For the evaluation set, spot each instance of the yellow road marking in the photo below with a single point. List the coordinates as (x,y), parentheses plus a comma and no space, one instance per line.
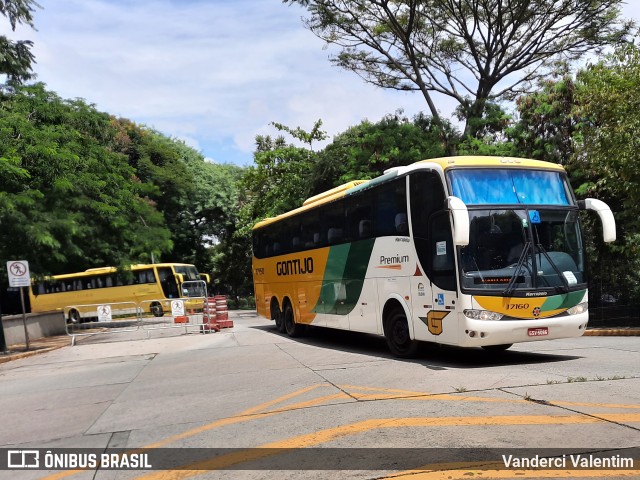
(459,471)
(244,416)
(329,434)
(392,393)
(260,411)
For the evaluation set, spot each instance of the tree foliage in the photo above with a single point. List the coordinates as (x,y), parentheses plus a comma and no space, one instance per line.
(280,179)
(16,59)
(366,150)
(66,201)
(606,155)
(547,124)
(472,51)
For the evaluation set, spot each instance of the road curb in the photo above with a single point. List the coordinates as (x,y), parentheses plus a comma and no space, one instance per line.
(18,355)
(612,332)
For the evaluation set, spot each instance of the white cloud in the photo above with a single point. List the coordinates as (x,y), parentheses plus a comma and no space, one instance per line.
(214,73)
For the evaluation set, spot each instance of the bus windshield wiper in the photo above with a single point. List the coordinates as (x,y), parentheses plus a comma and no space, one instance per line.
(565,283)
(514,278)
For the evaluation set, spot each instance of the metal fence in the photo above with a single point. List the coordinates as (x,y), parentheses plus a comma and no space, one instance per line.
(199,313)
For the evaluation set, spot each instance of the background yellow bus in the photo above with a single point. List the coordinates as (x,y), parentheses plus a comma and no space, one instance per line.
(152,284)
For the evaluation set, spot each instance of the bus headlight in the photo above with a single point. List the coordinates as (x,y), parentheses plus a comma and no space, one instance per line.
(580,308)
(482,315)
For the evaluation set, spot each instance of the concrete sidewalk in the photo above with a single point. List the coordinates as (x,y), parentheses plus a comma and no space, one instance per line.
(43,345)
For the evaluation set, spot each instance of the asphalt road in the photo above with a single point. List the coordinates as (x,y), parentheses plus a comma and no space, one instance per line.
(248,399)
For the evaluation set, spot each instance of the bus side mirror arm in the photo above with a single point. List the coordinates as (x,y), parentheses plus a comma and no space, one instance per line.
(460,216)
(606,217)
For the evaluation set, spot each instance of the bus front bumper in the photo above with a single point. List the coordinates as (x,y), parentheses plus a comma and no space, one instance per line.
(478,333)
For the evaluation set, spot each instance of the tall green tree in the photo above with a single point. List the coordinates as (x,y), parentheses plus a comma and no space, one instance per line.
(366,150)
(16,59)
(67,202)
(606,154)
(280,179)
(546,123)
(473,51)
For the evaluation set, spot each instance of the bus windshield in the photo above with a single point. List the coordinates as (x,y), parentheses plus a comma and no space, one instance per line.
(501,186)
(188,272)
(512,249)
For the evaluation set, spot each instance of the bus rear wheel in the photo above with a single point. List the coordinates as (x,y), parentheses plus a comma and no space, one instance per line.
(277,315)
(292,328)
(398,336)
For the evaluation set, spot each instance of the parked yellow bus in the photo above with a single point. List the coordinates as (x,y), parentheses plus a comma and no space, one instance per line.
(152,284)
(468,251)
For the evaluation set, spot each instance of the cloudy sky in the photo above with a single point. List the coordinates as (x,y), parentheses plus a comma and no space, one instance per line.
(213,73)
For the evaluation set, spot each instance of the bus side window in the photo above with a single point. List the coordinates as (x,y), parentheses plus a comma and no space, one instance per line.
(360,216)
(145,276)
(333,221)
(391,209)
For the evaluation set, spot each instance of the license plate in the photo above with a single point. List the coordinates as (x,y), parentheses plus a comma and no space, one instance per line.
(538,332)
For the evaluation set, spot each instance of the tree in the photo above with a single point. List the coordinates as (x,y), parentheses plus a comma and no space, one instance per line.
(15,56)
(67,202)
(280,180)
(547,124)
(473,51)
(366,150)
(606,154)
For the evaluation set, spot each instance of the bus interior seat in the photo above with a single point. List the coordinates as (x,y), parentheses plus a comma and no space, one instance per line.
(364,229)
(334,235)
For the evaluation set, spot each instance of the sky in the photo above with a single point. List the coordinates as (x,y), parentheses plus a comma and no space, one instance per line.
(213,73)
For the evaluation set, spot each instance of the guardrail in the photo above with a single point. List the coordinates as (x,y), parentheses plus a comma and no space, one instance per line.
(205,313)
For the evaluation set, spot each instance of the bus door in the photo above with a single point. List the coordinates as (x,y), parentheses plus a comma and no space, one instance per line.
(442,319)
(168,282)
(433,289)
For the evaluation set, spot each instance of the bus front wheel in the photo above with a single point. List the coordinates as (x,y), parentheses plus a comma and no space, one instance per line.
(292,328)
(156,309)
(398,336)
(74,317)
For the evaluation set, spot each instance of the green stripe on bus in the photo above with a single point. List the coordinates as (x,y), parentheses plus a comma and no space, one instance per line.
(344,277)
(564,301)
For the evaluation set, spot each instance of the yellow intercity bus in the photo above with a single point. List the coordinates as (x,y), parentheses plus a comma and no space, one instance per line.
(152,284)
(468,251)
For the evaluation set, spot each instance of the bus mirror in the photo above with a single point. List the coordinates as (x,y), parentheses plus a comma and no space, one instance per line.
(606,217)
(460,216)
(206,278)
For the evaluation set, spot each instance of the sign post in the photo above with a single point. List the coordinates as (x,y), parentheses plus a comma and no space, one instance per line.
(3,342)
(18,271)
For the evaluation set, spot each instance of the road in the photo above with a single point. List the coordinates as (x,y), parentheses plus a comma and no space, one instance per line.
(237,397)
